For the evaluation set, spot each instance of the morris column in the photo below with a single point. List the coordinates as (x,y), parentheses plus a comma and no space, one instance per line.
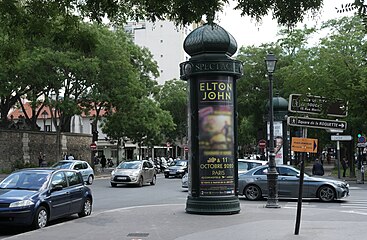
(211,74)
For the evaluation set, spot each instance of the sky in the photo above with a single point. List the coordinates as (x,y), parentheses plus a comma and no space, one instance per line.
(248,32)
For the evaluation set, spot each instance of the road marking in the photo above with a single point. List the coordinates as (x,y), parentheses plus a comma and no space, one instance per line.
(355,212)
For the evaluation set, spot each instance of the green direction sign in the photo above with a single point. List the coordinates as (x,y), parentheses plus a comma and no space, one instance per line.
(316,123)
(317,105)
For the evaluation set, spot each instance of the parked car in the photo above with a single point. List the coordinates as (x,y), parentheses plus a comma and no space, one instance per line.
(178,169)
(185,181)
(134,172)
(246,164)
(253,185)
(36,196)
(82,166)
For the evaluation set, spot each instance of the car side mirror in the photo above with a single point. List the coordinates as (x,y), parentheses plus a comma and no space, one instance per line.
(57,187)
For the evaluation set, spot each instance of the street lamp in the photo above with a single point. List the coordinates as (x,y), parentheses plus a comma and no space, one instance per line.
(44,115)
(272,175)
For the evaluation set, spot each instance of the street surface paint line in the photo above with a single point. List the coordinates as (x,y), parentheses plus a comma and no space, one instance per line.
(355,212)
(136,207)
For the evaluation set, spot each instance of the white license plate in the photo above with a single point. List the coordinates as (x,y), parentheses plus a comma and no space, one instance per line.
(122,178)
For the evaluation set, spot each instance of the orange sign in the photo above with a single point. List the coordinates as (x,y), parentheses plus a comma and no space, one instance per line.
(304,145)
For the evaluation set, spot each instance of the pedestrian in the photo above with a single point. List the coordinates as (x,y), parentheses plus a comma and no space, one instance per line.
(103,162)
(344,163)
(317,168)
(40,160)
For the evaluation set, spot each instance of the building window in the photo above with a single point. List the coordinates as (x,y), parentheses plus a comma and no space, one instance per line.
(48,128)
(161,55)
(161,41)
(161,26)
(161,71)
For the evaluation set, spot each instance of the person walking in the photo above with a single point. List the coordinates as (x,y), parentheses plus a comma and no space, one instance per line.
(344,163)
(103,162)
(317,168)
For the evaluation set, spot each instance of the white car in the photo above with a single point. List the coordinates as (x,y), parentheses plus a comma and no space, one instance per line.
(134,172)
(82,166)
(246,164)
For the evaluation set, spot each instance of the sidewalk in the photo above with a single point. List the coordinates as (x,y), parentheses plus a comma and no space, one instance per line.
(171,222)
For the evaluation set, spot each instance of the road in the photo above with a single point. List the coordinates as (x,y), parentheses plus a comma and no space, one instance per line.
(154,202)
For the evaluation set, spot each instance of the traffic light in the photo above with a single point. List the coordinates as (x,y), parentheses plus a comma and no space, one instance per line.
(359,135)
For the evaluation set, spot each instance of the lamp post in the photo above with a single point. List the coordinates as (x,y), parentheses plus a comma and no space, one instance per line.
(44,115)
(272,175)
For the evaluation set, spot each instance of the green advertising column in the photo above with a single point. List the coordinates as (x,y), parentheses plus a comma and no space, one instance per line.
(211,74)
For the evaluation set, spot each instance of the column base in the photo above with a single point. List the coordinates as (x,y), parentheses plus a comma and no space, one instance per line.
(213,205)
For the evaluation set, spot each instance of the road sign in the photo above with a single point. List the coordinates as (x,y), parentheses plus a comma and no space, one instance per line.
(93,146)
(362,145)
(304,145)
(262,143)
(341,138)
(361,139)
(317,105)
(316,123)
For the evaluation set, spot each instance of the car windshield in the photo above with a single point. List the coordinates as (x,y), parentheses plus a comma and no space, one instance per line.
(62,165)
(180,163)
(25,180)
(129,165)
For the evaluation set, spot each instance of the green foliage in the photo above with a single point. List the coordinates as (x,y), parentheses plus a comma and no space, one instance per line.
(334,67)
(172,97)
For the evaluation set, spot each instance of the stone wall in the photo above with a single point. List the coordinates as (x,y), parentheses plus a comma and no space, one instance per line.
(22,148)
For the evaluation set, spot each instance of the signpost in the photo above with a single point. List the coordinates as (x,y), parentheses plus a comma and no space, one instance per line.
(317,105)
(304,145)
(341,138)
(93,146)
(316,123)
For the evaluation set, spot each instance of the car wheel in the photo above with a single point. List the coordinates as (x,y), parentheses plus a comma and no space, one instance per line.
(87,208)
(140,182)
(90,180)
(154,180)
(113,184)
(41,218)
(252,192)
(326,194)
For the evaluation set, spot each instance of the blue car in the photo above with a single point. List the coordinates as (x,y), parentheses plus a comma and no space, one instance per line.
(33,197)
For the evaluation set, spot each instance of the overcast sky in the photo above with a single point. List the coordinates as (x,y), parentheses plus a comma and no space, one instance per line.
(248,32)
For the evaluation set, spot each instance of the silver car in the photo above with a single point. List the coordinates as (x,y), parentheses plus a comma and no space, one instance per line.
(81,166)
(245,165)
(134,172)
(253,185)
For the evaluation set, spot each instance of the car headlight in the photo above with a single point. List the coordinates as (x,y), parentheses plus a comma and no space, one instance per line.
(23,203)
(113,173)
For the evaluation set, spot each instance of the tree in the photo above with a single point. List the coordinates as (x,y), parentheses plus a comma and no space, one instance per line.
(144,123)
(172,97)
(186,12)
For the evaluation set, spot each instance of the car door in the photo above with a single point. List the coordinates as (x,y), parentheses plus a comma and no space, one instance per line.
(146,173)
(260,178)
(288,182)
(76,192)
(79,167)
(59,198)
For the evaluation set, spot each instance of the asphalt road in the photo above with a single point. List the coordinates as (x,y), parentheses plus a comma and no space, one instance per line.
(155,204)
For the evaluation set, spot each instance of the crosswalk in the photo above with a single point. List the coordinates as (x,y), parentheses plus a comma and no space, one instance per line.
(358,206)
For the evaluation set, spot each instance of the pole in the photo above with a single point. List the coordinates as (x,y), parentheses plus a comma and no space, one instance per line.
(272,176)
(44,141)
(300,189)
(338,155)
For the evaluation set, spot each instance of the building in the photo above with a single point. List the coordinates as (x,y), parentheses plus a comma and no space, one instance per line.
(165,41)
